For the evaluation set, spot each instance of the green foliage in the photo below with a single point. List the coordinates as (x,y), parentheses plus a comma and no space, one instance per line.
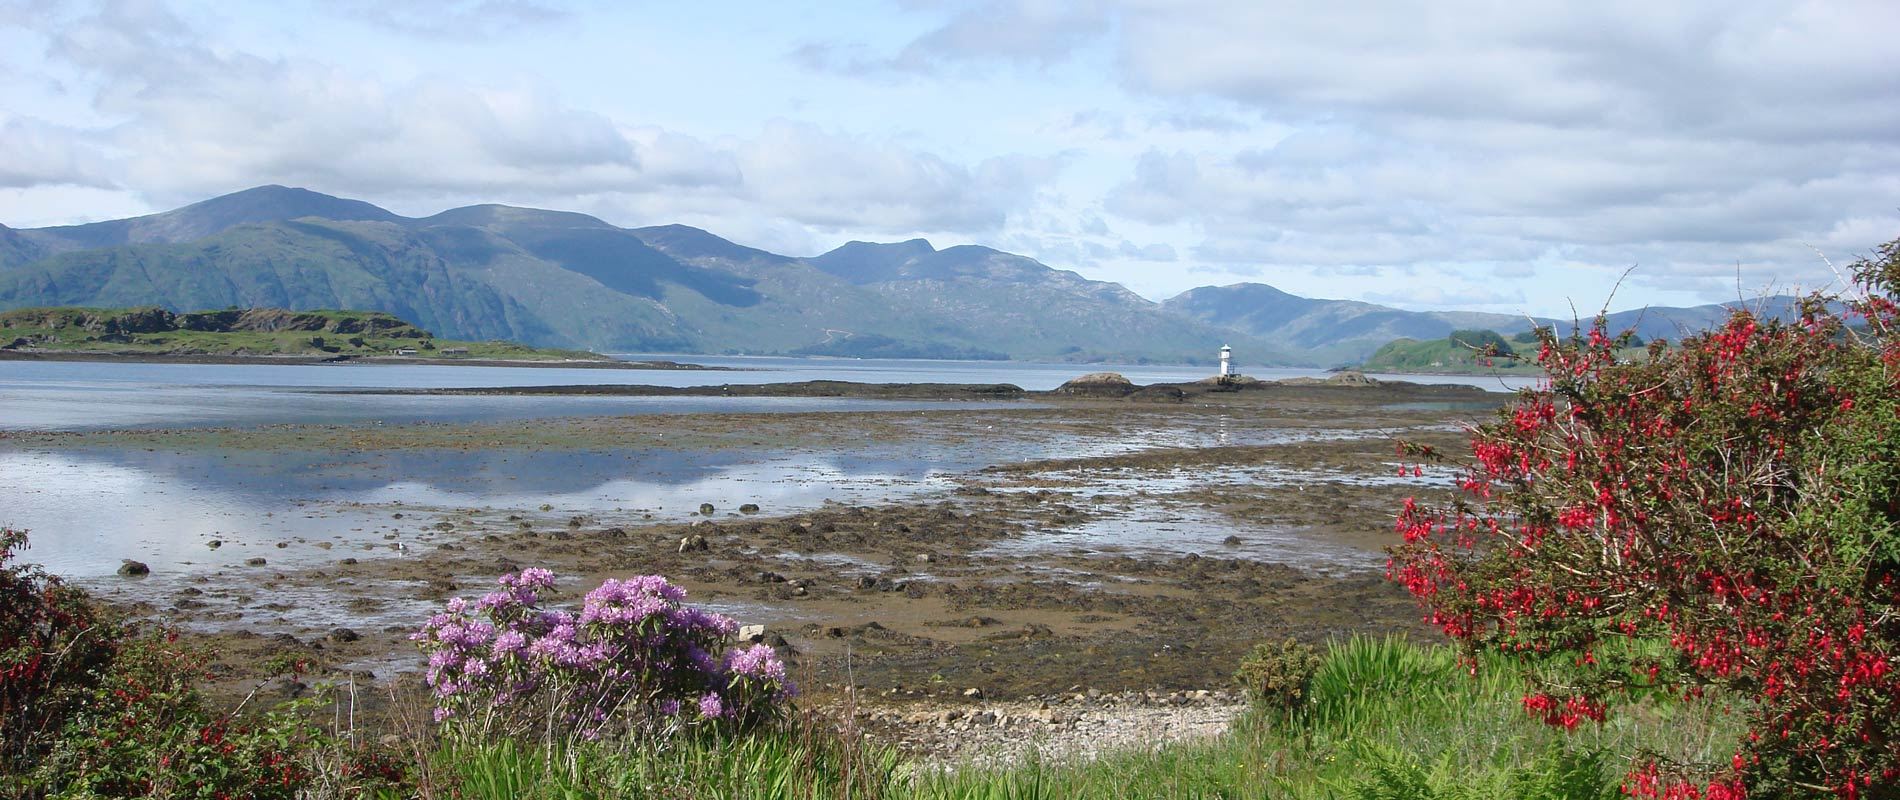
(1386,718)
(1719,514)
(145,730)
(1559,773)
(1277,676)
(800,761)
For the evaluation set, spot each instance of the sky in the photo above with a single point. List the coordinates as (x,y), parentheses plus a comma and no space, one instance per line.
(1514,157)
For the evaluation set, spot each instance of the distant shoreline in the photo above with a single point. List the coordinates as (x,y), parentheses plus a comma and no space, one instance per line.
(1469,373)
(1158,392)
(312,360)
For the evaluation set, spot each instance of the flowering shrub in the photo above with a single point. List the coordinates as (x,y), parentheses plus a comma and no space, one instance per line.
(1725,514)
(93,708)
(633,659)
(52,642)
(144,730)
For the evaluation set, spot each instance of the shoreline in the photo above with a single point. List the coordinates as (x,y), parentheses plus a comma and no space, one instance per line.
(1301,388)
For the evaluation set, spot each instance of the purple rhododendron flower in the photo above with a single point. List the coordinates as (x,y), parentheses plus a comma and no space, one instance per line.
(509,643)
(536,578)
(633,650)
(757,661)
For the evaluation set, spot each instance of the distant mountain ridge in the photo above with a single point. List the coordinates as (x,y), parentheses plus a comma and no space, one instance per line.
(1347,331)
(564,279)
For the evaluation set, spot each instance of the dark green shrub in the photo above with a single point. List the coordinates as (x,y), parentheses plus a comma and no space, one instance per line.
(1277,677)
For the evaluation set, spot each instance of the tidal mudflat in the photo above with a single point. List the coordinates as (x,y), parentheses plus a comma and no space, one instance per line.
(919,550)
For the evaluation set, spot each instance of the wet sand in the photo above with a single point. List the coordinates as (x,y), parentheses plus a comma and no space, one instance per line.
(1144,547)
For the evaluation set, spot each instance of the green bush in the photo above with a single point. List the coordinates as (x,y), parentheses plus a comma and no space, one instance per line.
(144,729)
(1276,677)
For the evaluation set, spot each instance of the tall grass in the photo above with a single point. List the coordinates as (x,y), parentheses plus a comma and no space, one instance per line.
(806,761)
(1386,719)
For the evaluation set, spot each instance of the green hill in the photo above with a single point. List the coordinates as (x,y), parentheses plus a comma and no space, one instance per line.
(1462,352)
(245,332)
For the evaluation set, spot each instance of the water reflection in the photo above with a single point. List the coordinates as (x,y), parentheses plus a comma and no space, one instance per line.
(87,510)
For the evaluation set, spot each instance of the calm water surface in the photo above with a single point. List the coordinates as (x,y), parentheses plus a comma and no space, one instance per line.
(92,395)
(90,507)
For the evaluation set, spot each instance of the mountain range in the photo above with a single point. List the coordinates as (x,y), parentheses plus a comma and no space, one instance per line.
(563,279)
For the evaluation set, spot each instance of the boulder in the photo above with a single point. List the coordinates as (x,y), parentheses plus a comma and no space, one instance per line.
(1351,377)
(1098,384)
(131,568)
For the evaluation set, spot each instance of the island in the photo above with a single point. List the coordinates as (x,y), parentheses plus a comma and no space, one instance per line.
(1469,352)
(264,335)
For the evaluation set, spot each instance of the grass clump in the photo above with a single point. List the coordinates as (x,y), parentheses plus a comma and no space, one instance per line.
(1381,718)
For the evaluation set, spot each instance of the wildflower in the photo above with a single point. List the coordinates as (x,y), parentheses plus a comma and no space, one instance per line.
(711,707)
(509,643)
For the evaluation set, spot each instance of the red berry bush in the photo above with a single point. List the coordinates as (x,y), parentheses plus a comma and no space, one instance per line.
(93,707)
(52,645)
(1723,515)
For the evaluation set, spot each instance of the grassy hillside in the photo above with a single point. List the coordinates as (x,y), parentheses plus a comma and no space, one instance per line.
(1452,354)
(245,332)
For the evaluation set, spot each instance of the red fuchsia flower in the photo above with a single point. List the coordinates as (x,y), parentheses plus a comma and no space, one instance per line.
(1719,516)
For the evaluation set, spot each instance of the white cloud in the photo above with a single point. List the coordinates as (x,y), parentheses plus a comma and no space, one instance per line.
(1025,32)
(1682,137)
(34,152)
(1345,147)
(453,19)
(191,119)
(849,183)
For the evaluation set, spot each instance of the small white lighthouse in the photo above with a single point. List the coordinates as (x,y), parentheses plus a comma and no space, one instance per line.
(1226,362)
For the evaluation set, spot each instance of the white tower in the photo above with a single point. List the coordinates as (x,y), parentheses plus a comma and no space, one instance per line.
(1226,361)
